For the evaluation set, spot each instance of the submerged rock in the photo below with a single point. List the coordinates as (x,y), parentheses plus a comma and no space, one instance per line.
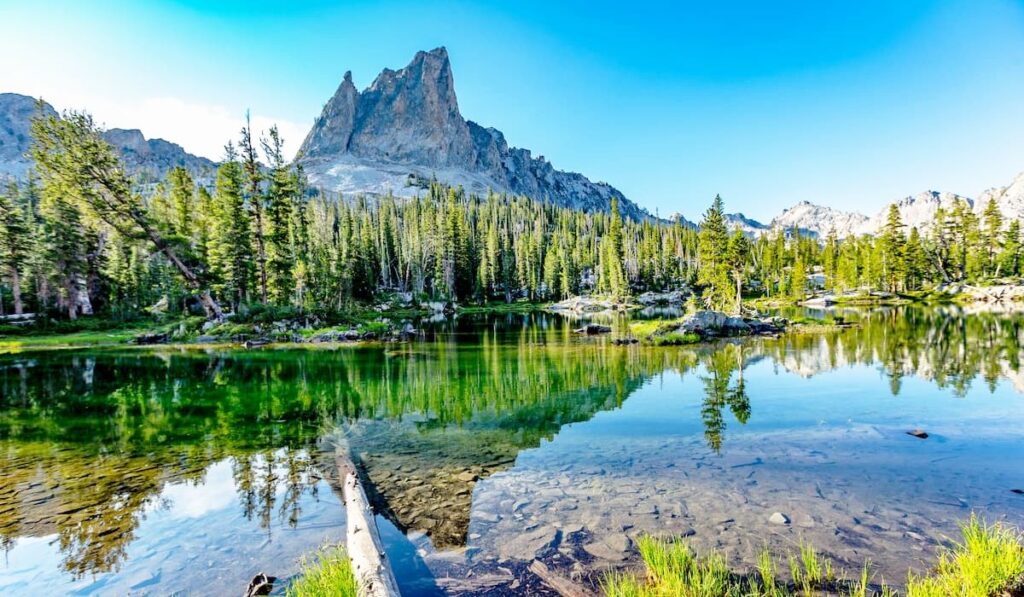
(592,329)
(778,518)
(918,433)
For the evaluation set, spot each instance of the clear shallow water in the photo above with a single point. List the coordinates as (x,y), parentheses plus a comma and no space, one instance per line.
(497,441)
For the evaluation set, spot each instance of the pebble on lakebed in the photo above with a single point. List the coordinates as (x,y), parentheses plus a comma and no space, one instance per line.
(778,518)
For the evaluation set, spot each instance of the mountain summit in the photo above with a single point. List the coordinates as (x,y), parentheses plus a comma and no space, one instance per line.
(406,128)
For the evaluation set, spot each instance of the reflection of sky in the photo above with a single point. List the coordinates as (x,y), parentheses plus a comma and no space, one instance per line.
(195,540)
(189,500)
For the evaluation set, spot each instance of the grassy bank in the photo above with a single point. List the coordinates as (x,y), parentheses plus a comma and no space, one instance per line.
(257,322)
(328,574)
(988,562)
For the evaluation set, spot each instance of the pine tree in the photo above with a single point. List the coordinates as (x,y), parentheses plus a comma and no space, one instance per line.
(280,198)
(713,272)
(1010,256)
(993,221)
(64,244)
(182,201)
(74,159)
(15,243)
(231,253)
(892,245)
(612,279)
(253,177)
(916,264)
(737,257)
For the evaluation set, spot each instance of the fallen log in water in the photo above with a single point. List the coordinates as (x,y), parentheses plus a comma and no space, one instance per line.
(370,564)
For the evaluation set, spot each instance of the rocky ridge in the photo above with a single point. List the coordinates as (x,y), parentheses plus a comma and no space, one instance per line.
(147,159)
(406,129)
(915,211)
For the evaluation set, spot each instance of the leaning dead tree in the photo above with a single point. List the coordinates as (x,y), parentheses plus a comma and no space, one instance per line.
(73,159)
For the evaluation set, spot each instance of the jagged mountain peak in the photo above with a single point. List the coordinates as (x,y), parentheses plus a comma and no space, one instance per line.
(406,128)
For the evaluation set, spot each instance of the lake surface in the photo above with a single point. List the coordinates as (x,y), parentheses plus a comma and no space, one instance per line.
(496,441)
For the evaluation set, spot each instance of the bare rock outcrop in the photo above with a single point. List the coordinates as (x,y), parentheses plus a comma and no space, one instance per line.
(406,129)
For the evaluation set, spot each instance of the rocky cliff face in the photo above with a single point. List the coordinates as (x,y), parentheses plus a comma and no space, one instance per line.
(16,112)
(148,159)
(818,220)
(915,211)
(406,128)
(1010,198)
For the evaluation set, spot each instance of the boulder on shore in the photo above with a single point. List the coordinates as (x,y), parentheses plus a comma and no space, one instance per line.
(997,293)
(674,297)
(586,305)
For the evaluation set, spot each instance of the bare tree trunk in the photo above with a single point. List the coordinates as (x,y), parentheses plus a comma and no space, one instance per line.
(739,294)
(70,303)
(80,295)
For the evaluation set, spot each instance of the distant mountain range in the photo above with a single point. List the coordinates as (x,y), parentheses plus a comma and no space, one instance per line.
(150,159)
(915,211)
(406,129)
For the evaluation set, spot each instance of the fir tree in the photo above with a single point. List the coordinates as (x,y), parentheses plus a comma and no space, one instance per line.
(713,272)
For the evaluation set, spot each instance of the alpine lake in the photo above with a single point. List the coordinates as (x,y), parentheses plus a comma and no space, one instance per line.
(494,441)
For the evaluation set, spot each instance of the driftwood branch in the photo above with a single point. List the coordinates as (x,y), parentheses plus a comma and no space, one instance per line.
(370,564)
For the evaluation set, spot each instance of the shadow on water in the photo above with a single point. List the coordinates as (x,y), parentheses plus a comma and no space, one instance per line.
(90,439)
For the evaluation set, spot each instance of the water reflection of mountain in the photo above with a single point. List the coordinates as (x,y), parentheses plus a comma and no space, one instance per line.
(945,346)
(89,440)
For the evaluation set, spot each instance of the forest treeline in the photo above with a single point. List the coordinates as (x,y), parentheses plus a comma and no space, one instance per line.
(79,237)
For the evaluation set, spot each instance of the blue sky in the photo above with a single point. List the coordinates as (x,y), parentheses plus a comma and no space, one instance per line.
(850,104)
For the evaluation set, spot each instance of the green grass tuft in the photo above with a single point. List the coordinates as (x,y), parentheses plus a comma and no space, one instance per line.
(329,575)
(990,559)
(675,339)
(989,562)
(672,569)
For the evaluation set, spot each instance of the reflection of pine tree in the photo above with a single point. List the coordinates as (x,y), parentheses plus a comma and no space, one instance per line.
(267,493)
(245,485)
(720,392)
